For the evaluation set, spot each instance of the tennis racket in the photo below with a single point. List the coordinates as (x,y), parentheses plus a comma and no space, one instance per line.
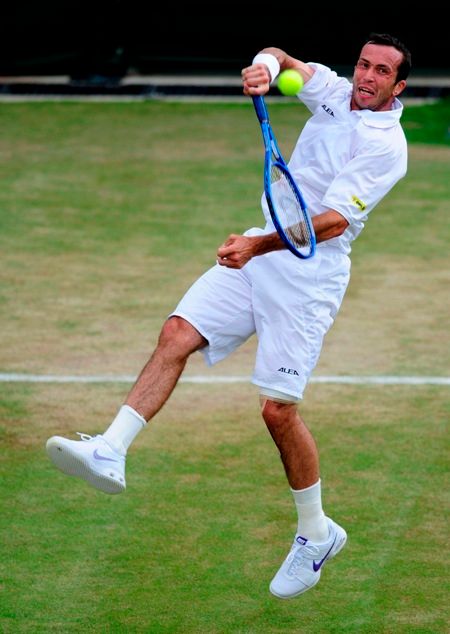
(286,204)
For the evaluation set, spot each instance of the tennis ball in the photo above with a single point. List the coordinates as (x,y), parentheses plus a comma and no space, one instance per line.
(290,82)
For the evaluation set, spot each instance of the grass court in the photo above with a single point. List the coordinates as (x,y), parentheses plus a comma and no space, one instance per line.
(108,212)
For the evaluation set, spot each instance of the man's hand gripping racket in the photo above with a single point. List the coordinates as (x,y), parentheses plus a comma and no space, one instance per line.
(287,207)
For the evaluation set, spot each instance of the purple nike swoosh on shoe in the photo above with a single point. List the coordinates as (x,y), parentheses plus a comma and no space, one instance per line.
(318,566)
(97,456)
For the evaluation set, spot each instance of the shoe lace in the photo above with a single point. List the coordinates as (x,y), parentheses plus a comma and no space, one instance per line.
(298,556)
(87,437)
(84,437)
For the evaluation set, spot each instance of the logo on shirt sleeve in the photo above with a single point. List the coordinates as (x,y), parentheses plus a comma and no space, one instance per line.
(358,202)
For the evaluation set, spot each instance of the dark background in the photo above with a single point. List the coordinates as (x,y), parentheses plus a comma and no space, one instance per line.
(115,38)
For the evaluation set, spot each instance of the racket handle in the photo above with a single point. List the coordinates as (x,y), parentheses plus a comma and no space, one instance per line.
(260,107)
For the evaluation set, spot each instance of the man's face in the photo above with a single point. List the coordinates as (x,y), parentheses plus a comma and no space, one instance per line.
(374,78)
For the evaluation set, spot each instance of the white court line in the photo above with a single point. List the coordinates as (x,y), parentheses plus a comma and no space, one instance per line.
(205,379)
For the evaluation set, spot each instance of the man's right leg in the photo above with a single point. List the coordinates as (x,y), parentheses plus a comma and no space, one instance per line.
(100,460)
(177,341)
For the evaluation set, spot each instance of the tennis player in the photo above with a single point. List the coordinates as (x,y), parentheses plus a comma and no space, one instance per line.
(349,155)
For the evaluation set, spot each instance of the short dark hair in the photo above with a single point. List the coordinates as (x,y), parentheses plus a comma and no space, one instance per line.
(384,39)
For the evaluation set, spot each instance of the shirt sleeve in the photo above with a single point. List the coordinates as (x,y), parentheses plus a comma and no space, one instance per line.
(324,82)
(365,180)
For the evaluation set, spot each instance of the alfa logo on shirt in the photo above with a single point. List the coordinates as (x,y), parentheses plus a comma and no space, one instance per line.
(327,109)
(359,203)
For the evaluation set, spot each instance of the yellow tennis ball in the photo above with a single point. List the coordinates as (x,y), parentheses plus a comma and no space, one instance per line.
(290,82)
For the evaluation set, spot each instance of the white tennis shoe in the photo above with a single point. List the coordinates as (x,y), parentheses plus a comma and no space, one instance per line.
(302,567)
(91,459)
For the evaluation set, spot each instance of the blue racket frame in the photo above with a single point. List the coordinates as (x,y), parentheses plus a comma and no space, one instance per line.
(271,149)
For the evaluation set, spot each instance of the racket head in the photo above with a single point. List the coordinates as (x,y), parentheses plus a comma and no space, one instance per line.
(288,210)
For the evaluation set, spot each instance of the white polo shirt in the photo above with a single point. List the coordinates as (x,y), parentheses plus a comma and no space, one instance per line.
(345,159)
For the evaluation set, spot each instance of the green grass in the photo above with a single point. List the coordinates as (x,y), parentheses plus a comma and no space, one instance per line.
(107,213)
(428,123)
(193,543)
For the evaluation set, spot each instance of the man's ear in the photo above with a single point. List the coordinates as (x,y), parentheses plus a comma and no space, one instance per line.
(399,87)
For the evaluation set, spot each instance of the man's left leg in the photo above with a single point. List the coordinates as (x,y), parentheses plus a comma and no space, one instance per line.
(318,538)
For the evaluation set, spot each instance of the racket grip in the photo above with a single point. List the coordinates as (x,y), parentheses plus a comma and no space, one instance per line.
(260,107)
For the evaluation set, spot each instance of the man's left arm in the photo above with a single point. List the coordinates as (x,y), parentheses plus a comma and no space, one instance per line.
(237,250)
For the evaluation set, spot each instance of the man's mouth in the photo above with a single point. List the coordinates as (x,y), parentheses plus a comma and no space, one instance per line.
(367,92)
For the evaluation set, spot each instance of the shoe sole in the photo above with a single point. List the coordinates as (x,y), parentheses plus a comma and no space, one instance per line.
(75,465)
(292,596)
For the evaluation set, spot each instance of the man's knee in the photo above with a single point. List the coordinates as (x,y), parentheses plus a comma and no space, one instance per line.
(276,413)
(179,335)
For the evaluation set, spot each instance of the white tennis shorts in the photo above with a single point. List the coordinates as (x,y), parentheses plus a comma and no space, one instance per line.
(289,303)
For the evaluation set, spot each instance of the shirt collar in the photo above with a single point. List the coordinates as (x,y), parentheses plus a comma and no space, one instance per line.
(381,118)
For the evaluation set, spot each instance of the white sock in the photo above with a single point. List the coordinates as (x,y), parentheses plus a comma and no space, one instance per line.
(312,522)
(124,429)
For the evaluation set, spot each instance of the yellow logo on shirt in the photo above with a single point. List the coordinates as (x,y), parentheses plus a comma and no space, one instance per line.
(359,203)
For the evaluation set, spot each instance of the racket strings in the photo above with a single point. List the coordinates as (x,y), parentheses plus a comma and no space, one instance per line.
(290,212)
